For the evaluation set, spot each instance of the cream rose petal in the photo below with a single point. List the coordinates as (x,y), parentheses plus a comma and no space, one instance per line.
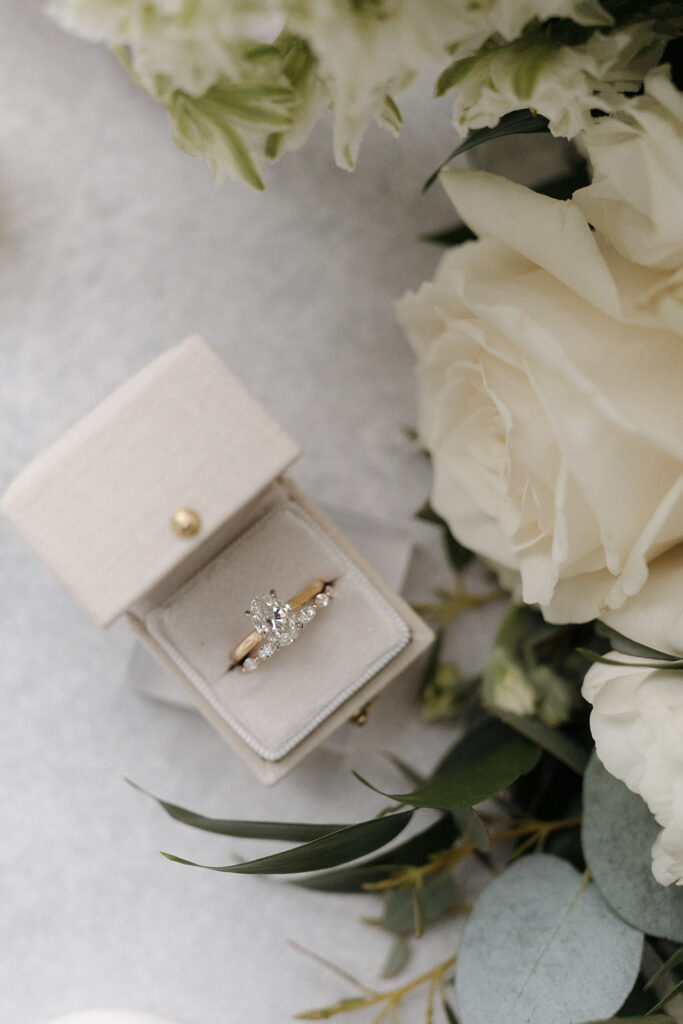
(655,617)
(634,199)
(637,723)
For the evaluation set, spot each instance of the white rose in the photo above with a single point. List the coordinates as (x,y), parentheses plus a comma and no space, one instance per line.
(634,199)
(549,398)
(637,723)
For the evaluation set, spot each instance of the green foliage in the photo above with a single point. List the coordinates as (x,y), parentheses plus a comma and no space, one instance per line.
(517,122)
(458,555)
(294,832)
(412,853)
(542,945)
(486,761)
(337,847)
(675,961)
(534,668)
(554,742)
(408,911)
(617,835)
(397,958)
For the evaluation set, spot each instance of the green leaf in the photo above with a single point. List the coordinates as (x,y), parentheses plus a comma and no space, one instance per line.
(450,237)
(473,828)
(487,761)
(438,894)
(412,853)
(617,835)
(669,995)
(448,1011)
(432,662)
(674,961)
(397,957)
(554,742)
(338,847)
(542,945)
(294,832)
(624,645)
(458,555)
(517,122)
(605,659)
(657,1018)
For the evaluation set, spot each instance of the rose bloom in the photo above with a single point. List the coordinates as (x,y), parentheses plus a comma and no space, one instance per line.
(637,722)
(550,381)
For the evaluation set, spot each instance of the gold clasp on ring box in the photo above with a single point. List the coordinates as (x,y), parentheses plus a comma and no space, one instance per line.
(186,522)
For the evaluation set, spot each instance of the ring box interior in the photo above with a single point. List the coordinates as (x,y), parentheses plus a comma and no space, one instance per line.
(185,432)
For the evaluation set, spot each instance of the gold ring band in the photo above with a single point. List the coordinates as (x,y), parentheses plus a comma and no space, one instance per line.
(278,623)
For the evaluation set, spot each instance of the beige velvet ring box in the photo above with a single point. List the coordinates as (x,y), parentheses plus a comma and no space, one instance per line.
(185,433)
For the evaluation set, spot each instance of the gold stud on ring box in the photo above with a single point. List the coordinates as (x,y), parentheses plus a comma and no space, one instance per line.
(186,522)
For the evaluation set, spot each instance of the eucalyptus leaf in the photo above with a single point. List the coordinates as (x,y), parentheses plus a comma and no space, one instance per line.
(438,895)
(412,853)
(338,847)
(397,957)
(617,835)
(471,827)
(485,761)
(551,740)
(542,945)
(295,832)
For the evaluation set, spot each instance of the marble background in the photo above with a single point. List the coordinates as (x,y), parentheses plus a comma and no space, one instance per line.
(113,246)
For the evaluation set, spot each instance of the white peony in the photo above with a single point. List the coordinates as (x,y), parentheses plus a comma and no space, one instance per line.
(549,399)
(563,83)
(637,723)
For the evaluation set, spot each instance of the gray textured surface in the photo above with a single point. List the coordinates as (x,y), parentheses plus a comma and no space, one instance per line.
(114,245)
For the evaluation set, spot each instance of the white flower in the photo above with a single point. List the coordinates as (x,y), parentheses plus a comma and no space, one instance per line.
(637,722)
(509,17)
(367,51)
(549,400)
(189,43)
(634,199)
(563,83)
(370,50)
(268,108)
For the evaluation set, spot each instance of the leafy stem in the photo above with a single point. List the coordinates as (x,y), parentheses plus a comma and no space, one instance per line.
(389,1002)
(535,834)
(455,603)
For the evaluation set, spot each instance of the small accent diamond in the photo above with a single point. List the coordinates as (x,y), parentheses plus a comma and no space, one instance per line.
(250,664)
(267,649)
(322,600)
(307,613)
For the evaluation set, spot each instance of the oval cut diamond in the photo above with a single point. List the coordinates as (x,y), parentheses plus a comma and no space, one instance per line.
(274,619)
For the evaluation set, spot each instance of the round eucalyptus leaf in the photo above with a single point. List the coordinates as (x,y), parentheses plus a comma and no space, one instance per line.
(617,836)
(543,947)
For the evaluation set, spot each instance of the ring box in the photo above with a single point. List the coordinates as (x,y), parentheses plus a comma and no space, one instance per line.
(185,433)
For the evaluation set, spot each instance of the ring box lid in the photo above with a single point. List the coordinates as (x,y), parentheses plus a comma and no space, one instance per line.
(97,505)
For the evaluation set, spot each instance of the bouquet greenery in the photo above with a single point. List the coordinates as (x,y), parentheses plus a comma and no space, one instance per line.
(550,355)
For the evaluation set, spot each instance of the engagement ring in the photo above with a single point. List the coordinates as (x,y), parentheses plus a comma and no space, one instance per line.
(278,623)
